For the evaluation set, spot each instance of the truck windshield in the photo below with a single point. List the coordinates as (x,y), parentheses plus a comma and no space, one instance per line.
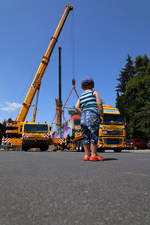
(113,119)
(35,128)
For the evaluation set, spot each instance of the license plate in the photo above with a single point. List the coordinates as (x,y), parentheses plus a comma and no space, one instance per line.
(113,146)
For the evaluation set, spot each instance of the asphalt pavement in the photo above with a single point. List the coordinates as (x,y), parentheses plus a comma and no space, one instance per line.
(58,188)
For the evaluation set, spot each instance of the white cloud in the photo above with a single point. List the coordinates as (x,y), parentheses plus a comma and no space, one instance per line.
(10,106)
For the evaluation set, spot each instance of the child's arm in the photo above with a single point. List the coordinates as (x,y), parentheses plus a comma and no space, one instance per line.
(100,105)
(77,105)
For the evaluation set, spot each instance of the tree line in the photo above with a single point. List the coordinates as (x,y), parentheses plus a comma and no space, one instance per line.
(133,96)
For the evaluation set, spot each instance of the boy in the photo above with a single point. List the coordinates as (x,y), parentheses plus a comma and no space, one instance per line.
(91,108)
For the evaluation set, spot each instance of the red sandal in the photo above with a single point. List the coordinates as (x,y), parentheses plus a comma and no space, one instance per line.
(96,158)
(100,158)
(86,157)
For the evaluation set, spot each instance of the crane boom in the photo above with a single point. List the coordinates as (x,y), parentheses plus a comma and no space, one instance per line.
(41,69)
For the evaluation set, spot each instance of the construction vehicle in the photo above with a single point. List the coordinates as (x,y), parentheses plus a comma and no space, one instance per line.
(112,133)
(35,135)
(15,129)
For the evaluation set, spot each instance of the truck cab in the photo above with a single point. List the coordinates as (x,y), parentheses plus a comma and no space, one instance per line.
(35,135)
(112,132)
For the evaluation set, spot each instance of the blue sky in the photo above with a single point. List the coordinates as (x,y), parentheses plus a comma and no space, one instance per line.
(96,39)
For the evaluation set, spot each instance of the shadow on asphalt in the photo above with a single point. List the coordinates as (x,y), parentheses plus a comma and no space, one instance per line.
(109,159)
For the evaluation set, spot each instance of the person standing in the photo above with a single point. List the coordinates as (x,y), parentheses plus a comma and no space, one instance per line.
(90,105)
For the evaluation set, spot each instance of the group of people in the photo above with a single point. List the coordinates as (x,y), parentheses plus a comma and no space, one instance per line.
(91,108)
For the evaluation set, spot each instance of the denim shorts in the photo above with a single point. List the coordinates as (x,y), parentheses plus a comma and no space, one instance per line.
(90,127)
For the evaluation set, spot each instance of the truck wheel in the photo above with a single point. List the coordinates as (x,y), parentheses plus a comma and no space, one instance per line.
(77,148)
(117,150)
(25,148)
(80,148)
(44,148)
(101,150)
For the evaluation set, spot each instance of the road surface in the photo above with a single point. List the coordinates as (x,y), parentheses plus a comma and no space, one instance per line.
(58,188)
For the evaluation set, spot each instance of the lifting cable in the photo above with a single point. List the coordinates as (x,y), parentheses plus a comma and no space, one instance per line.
(73,61)
(73,44)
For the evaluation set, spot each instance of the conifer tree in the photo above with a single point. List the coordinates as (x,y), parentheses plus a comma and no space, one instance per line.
(125,75)
(133,96)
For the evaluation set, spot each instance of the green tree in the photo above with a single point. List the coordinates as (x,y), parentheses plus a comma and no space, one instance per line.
(125,75)
(133,99)
(142,64)
(138,111)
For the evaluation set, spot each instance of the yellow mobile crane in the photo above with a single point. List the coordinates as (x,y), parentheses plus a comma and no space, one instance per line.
(31,134)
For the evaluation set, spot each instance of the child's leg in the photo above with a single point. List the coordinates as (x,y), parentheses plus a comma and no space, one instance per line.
(93,149)
(87,149)
(94,156)
(86,135)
